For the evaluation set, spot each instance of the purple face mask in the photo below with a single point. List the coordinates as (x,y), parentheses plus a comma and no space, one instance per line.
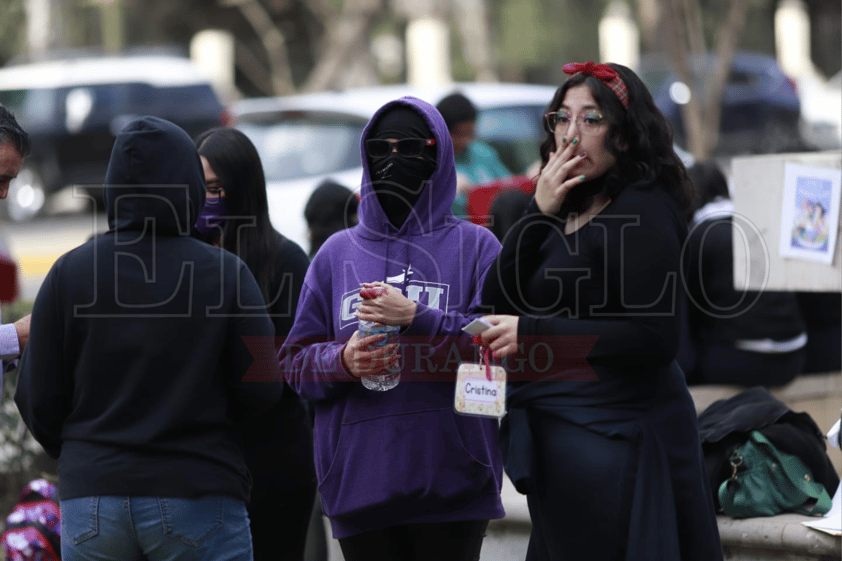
(212,216)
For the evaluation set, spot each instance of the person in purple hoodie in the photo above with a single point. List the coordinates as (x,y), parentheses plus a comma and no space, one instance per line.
(401,475)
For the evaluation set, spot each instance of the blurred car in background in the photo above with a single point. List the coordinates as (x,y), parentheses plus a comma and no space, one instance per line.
(73,109)
(761,109)
(821,111)
(305,139)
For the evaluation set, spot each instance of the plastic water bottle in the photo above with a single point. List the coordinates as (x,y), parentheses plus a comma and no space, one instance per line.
(388,380)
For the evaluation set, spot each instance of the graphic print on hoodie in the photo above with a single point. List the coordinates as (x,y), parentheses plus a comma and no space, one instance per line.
(399,456)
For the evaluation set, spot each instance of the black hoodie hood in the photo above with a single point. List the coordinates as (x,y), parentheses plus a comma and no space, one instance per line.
(154,174)
(398,181)
(431,210)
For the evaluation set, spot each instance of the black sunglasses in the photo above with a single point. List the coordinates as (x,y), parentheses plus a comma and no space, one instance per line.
(407,147)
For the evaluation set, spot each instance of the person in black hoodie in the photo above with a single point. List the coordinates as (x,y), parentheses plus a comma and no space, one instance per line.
(148,346)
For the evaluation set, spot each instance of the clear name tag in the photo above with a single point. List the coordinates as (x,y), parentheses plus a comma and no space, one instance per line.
(478,395)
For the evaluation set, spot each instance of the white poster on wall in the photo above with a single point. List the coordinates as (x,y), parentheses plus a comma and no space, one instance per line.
(810,215)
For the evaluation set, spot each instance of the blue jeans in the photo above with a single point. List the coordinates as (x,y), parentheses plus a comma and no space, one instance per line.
(212,528)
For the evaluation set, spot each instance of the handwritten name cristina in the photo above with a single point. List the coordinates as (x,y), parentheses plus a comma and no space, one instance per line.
(479,390)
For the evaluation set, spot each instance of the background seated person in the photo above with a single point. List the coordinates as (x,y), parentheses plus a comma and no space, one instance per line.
(733,337)
(476,161)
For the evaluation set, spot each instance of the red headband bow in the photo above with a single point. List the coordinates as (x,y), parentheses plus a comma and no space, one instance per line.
(605,73)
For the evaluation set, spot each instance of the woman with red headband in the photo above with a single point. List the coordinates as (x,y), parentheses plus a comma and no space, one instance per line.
(601,432)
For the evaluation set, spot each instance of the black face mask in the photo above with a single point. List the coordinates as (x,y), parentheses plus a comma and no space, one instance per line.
(398,181)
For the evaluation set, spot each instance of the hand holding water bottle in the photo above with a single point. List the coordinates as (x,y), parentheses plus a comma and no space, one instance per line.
(383,310)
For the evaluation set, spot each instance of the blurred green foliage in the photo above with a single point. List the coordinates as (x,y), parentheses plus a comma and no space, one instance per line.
(16,310)
(536,37)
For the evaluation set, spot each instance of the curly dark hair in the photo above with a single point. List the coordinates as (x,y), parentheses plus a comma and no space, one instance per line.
(638,136)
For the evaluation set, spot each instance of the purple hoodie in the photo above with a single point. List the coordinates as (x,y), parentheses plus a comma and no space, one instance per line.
(401,456)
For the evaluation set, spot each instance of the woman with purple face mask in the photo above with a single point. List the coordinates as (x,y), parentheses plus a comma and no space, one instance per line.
(278,444)
(210,221)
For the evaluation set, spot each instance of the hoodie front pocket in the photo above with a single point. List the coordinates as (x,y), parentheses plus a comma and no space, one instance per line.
(416,458)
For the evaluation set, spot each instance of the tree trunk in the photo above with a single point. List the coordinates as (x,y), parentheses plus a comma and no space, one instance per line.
(250,65)
(725,48)
(273,41)
(347,36)
(648,17)
(702,116)
(680,48)
(472,22)
(112,26)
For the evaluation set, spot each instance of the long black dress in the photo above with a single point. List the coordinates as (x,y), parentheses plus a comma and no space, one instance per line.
(612,468)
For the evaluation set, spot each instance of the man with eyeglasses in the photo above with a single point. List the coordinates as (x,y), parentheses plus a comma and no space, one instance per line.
(14,148)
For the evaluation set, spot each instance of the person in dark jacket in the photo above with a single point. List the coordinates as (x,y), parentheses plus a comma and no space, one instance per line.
(608,455)
(147,348)
(279,442)
(744,338)
(822,312)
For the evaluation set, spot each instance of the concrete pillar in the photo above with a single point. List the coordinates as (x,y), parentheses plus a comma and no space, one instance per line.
(388,51)
(619,38)
(792,39)
(428,52)
(472,22)
(111,25)
(212,50)
(38,26)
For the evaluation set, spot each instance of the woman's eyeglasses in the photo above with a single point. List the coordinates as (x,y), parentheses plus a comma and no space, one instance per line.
(215,189)
(407,147)
(589,122)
